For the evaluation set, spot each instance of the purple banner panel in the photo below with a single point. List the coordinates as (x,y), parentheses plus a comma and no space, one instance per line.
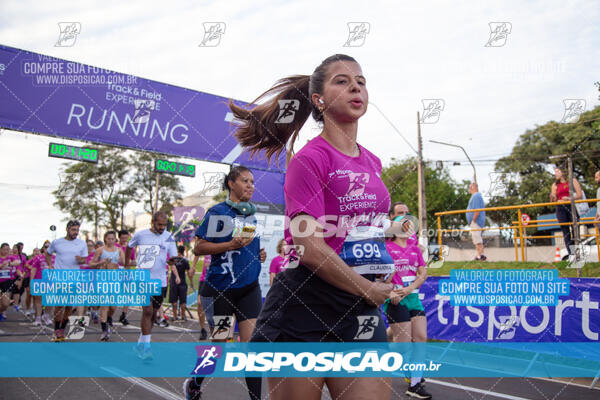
(55,97)
(575,319)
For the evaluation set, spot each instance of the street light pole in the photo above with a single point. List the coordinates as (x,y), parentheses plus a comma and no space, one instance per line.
(464,151)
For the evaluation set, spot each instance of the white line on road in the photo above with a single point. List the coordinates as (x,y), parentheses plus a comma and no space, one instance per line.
(159,391)
(173,328)
(476,390)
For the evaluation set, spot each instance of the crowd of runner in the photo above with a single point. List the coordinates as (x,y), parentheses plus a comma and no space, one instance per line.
(344,279)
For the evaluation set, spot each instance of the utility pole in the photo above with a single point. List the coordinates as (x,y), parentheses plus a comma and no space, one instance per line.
(156,198)
(421,180)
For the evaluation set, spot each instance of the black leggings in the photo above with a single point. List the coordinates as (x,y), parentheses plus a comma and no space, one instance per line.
(563,214)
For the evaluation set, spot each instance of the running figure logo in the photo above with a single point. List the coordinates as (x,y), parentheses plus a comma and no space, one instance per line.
(508,326)
(432,109)
(499,32)
(573,109)
(77,327)
(366,326)
(68,34)
(212,34)
(228,265)
(147,255)
(357,33)
(287,110)
(213,182)
(207,359)
(223,327)
(142,110)
(358,182)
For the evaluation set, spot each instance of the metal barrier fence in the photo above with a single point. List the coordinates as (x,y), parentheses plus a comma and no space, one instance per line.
(518,227)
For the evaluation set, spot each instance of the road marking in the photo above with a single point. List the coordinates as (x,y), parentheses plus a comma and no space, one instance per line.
(476,390)
(173,328)
(159,391)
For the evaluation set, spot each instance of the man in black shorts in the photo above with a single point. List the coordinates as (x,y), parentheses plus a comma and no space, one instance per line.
(178,292)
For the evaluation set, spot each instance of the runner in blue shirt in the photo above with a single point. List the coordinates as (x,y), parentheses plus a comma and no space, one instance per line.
(228,234)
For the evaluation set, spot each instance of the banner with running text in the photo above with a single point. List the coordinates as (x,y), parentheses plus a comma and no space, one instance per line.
(56,97)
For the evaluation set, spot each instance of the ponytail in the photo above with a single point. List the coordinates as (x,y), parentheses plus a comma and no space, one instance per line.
(260,128)
(266,126)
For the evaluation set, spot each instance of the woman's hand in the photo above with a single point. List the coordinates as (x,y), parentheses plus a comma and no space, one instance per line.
(378,293)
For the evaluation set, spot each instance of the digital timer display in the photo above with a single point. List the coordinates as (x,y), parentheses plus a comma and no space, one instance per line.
(73,152)
(175,168)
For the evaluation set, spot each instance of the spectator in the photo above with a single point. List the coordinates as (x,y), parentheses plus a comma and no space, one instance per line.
(277,262)
(597,178)
(476,219)
(178,292)
(560,192)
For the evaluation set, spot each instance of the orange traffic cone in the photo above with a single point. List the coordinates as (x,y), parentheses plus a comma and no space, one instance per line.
(557,256)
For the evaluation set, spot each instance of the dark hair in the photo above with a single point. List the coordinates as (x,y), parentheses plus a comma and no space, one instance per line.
(259,128)
(561,167)
(72,223)
(159,214)
(123,232)
(4,244)
(233,174)
(109,233)
(181,249)
(394,205)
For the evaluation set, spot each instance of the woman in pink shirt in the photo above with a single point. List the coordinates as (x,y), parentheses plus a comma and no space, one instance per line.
(335,205)
(404,310)
(277,262)
(38,265)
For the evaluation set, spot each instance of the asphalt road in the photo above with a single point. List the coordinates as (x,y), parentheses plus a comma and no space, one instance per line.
(18,328)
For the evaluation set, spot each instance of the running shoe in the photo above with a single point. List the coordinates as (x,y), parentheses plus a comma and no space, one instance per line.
(105,336)
(418,391)
(17,308)
(164,323)
(123,319)
(38,321)
(2,317)
(59,335)
(191,393)
(203,334)
(143,351)
(28,312)
(46,319)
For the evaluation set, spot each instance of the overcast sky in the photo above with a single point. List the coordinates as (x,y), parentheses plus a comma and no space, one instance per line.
(412,51)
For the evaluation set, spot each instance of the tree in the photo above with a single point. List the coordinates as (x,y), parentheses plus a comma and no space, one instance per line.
(144,181)
(526,175)
(443,193)
(96,192)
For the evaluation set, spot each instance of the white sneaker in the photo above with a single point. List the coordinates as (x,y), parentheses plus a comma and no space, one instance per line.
(46,319)
(28,312)
(38,321)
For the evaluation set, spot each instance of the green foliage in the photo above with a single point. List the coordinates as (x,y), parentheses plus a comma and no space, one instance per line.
(527,173)
(99,193)
(144,180)
(442,192)
(96,192)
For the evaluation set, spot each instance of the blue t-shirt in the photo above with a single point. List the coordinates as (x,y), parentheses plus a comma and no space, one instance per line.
(235,268)
(475,202)
(152,252)
(66,250)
